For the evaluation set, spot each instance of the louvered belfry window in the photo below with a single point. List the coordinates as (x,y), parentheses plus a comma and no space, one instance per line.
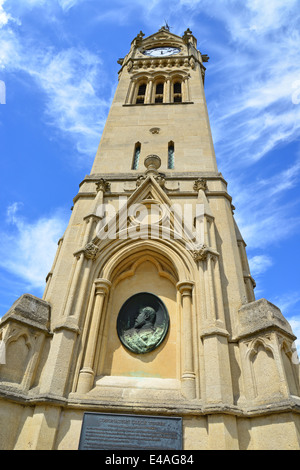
(159,93)
(177,92)
(141,94)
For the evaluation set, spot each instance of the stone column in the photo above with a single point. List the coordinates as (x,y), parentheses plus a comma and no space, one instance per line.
(188,377)
(72,292)
(184,90)
(87,373)
(149,90)
(167,91)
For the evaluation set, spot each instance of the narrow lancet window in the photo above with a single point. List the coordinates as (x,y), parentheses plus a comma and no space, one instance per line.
(136,156)
(140,99)
(171,156)
(177,92)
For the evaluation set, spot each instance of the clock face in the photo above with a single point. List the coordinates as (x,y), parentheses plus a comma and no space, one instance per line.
(161,51)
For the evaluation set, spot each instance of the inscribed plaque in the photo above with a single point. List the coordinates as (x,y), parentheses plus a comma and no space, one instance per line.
(101,431)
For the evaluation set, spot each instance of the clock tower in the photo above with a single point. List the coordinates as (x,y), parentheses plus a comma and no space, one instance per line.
(149,335)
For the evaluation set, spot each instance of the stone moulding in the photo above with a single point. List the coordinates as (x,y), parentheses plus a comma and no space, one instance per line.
(183,408)
(186,61)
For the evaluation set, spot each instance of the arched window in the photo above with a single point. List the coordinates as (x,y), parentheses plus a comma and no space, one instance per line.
(171,155)
(177,92)
(159,92)
(136,156)
(140,99)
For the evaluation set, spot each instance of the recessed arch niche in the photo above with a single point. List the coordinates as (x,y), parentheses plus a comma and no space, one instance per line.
(153,273)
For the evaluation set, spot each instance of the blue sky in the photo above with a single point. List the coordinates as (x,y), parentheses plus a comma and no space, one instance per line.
(58,62)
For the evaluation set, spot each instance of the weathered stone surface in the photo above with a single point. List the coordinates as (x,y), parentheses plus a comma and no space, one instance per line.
(260,315)
(30,310)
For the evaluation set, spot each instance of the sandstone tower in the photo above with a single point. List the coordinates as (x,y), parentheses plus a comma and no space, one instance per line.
(149,308)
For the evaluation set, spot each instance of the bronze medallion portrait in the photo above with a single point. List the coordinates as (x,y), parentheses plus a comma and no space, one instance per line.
(142,323)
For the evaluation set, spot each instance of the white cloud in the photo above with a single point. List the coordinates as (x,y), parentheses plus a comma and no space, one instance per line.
(287,302)
(11,212)
(27,250)
(264,215)
(4,17)
(268,15)
(259,264)
(67,4)
(70,80)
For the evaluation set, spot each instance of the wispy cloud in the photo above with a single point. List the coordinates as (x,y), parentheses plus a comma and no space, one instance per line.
(263,214)
(28,248)
(4,16)
(68,4)
(288,301)
(259,264)
(71,79)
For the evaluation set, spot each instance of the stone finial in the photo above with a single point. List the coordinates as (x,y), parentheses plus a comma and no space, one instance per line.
(152,163)
(139,38)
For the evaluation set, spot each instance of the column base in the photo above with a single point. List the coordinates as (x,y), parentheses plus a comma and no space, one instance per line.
(85,381)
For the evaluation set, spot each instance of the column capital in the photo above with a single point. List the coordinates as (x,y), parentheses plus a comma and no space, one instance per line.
(185,287)
(102,286)
(103,185)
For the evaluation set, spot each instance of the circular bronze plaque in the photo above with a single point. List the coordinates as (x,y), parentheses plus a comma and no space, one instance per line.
(142,323)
